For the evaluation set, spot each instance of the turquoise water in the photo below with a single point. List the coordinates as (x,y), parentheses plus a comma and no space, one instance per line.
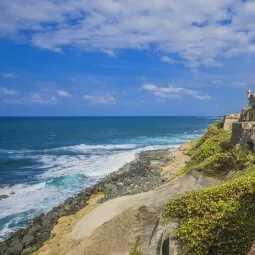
(43,161)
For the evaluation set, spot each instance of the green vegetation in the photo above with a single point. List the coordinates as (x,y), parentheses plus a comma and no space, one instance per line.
(212,154)
(134,250)
(219,220)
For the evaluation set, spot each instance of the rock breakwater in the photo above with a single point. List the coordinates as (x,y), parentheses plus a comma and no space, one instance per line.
(138,176)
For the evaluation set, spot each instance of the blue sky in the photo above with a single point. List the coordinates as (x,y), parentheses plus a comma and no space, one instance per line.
(125,57)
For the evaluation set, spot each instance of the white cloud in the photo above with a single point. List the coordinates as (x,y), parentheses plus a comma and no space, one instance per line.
(198,31)
(9,96)
(63,93)
(39,98)
(174,92)
(8,75)
(106,99)
(167,59)
(4,92)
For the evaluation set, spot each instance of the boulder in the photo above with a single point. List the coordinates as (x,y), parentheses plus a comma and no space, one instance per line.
(3,197)
(3,248)
(28,250)
(46,222)
(16,247)
(28,239)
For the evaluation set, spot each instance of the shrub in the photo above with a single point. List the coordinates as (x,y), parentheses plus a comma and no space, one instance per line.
(210,153)
(243,157)
(219,220)
(217,165)
(134,250)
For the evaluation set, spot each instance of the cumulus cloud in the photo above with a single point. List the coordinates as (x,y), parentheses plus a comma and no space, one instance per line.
(174,92)
(8,75)
(198,33)
(167,59)
(39,98)
(12,97)
(106,99)
(4,92)
(63,93)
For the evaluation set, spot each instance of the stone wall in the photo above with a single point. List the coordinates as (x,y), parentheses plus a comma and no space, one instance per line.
(243,133)
(229,120)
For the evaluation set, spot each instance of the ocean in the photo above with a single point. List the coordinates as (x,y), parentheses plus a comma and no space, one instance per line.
(45,160)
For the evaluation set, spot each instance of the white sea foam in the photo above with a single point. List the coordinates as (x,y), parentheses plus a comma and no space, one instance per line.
(92,161)
(90,148)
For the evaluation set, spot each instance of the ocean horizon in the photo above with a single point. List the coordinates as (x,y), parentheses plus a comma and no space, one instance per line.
(45,160)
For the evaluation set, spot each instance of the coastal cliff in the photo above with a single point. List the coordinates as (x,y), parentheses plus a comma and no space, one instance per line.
(198,199)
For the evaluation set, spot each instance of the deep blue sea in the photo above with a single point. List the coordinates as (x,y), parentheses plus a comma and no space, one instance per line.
(43,161)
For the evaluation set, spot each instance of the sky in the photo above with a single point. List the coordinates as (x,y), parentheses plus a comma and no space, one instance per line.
(126,57)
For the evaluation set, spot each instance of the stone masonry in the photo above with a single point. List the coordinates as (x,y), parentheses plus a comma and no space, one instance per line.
(243,131)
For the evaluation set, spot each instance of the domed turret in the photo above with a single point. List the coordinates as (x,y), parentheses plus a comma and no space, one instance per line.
(249,93)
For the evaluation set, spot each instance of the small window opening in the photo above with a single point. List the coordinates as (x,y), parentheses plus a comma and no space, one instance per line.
(165,247)
(250,146)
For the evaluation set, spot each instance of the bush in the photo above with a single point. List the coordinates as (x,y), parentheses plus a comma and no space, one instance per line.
(243,157)
(219,220)
(214,140)
(210,153)
(217,165)
(134,250)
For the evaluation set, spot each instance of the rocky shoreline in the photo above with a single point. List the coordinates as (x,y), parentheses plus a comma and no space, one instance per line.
(138,176)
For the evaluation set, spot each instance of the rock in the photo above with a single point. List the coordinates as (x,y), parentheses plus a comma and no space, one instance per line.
(34,229)
(28,239)
(46,222)
(3,197)
(28,251)
(37,220)
(16,247)
(43,237)
(69,200)
(3,248)
(89,192)
(52,217)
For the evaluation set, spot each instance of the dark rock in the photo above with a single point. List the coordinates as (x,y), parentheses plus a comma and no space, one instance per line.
(3,247)
(29,250)
(69,200)
(33,230)
(53,217)
(3,197)
(29,239)
(38,219)
(43,237)
(89,192)
(16,247)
